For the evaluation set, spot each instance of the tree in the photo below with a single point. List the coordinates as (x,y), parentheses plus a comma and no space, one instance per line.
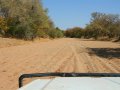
(103,25)
(75,32)
(26,19)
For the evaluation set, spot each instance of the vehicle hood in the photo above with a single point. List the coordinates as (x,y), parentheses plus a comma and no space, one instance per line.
(74,83)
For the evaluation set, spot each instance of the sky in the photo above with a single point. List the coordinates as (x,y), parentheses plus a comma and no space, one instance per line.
(77,13)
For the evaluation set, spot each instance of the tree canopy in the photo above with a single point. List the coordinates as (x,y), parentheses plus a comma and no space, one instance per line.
(26,19)
(101,26)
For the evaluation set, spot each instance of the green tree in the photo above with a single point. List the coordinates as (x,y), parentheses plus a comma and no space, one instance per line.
(75,32)
(103,25)
(26,19)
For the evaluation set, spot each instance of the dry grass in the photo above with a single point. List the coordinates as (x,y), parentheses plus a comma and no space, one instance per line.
(8,42)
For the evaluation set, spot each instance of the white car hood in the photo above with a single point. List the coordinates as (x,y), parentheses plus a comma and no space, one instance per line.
(74,83)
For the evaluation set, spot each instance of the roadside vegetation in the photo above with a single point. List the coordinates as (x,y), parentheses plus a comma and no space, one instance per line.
(101,27)
(26,19)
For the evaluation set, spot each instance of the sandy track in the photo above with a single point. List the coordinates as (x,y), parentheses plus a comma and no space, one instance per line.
(61,55)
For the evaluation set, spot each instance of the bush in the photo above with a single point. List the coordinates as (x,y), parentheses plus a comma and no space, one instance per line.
(76,32)
(3,26)
(41,33)
(26,19)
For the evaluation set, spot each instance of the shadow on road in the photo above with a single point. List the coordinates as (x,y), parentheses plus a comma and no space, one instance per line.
(106,52)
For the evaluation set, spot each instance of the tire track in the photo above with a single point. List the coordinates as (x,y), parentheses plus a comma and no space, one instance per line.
(62,55)
(57,60)
(107,65)
(67,65)
(79,62)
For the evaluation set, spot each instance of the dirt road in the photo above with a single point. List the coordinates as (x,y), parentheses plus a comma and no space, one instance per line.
(61,55)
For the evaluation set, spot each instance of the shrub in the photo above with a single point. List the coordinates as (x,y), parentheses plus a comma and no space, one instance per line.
(3,26)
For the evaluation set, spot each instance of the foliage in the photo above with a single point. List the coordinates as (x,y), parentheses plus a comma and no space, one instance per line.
(56,33)
(26,19)
(74,32)
(101,26)
(3,26)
